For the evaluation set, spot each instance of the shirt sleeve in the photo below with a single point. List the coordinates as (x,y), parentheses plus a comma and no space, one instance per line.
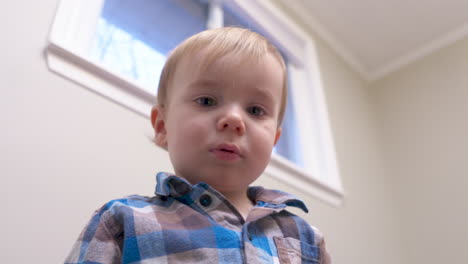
(324,255)
(96,243)
(320,240)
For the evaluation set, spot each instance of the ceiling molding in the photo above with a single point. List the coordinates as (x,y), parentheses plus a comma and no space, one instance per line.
(420,52)
(349,57)
(334,42)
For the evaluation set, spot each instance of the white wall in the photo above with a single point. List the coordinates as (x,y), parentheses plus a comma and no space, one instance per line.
(423,112)
(65,150)
(365,228)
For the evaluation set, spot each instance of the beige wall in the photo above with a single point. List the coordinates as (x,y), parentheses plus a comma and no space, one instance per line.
(364,229)
(65,150)
(423,121)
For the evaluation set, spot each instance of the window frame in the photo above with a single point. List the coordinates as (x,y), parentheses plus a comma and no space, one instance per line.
(66,55)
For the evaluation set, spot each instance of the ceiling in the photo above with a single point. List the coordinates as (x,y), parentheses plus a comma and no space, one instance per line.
(379,36)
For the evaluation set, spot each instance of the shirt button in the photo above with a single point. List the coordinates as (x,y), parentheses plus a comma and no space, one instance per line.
(205,200)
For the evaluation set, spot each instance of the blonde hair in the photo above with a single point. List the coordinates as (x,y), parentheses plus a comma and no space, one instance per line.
(218,43)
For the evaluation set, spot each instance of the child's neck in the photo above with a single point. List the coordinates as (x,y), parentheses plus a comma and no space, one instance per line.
(241,202)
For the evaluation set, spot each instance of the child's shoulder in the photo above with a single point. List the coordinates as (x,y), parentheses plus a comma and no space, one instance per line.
(128,201)
(126,204)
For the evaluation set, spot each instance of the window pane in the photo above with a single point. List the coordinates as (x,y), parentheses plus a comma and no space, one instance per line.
(289,145)
(133,37)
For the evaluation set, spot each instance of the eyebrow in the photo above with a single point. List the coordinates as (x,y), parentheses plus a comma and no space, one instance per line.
(263,93)
(204,83)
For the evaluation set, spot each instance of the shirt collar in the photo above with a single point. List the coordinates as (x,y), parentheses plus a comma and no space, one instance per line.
(168,184)
(275,198)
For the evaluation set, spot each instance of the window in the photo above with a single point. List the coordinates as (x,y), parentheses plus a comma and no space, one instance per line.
(109,47)
(133,37)
(121,51)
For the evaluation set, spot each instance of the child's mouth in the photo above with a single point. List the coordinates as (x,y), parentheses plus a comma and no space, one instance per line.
(226,152)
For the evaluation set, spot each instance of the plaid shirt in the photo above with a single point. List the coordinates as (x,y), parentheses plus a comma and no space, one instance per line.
(187,223)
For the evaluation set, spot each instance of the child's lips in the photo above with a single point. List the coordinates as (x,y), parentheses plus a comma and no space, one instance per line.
(227,152)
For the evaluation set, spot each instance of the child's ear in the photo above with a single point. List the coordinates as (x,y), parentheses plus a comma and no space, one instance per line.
(159,126)
(278,135)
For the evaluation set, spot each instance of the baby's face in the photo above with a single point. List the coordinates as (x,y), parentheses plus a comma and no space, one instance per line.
(220,125)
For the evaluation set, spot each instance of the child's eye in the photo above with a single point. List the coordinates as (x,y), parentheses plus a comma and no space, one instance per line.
(205,101)
(256,111)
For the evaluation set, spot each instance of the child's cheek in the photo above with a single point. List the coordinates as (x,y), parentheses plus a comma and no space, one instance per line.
(193,129)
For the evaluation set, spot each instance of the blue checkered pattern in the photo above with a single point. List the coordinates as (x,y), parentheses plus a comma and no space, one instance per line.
(187,223)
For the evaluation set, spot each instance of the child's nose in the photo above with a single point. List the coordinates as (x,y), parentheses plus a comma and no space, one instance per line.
(232,120)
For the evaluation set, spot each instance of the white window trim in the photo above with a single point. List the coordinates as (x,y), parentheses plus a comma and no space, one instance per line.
(308,97)
(66,56)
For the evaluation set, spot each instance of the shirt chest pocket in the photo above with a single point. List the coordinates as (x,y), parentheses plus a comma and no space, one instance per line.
(293,251)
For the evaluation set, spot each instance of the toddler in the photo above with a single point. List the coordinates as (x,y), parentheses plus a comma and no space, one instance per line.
(221,100)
